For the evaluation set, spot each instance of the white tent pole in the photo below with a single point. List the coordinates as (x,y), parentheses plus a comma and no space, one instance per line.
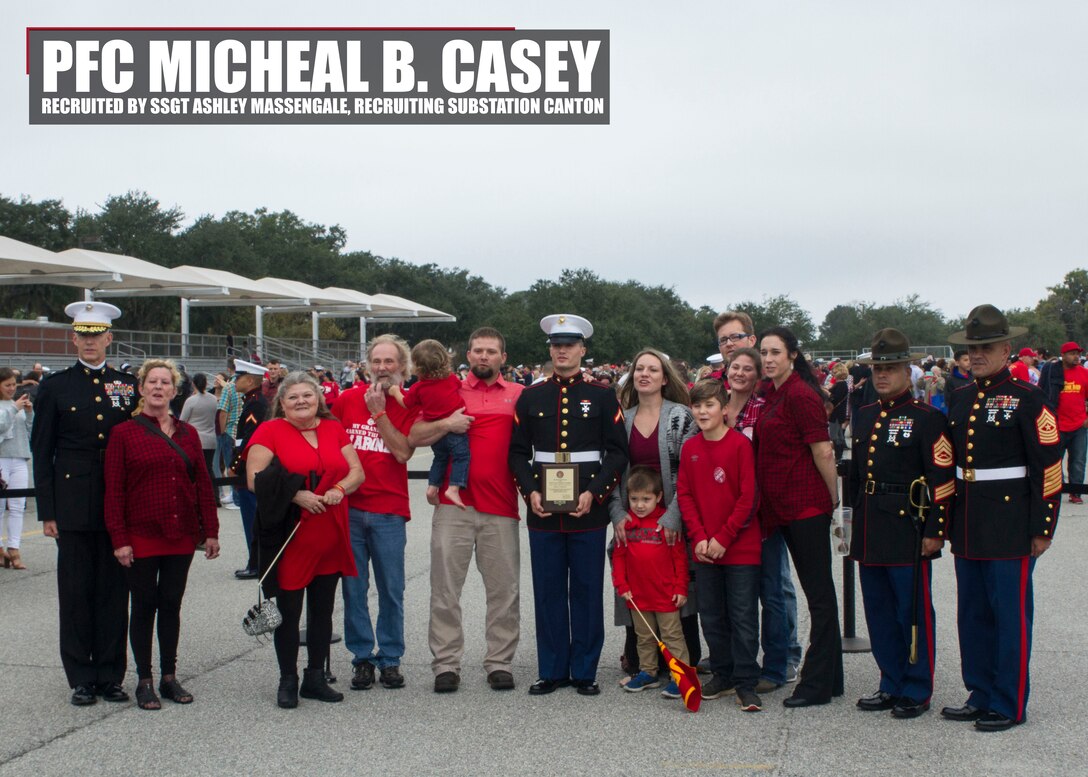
(88,295)
(314,320)
(260,330)
(362,338)
(184,328)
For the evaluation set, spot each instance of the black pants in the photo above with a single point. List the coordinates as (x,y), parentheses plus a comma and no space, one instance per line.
(157,584)
(690,625)
(320,599)
(809,541)
(93,608)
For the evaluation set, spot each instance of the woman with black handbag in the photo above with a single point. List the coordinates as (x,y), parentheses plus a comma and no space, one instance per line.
(159,507)
(320,468)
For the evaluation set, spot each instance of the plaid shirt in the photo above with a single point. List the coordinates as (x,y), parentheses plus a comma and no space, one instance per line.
(148,491)
(749,414)
(231,403)
(790,486)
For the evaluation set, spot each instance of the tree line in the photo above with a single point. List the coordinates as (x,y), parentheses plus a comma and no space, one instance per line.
(627,315)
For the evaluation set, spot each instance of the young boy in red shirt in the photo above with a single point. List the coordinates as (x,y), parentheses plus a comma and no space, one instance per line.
(652,575)
(716,489)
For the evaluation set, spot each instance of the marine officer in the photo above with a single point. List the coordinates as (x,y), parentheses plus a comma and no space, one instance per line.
(1008,491)
(899,441)
(74,412)
(568,419)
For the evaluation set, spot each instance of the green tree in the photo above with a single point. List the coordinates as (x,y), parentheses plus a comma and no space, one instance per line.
(780,310)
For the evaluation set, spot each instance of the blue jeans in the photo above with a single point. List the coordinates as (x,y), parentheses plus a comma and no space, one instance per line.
(247,503)
(1075,443)
(379,539)
(728,597)
(779,598)
(452,446)
(224,450)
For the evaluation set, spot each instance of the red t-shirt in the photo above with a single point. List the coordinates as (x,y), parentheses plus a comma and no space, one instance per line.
(648,567)
(790,486)
(437,399)
(322,544)
(1071,408)
(491,488)
(716,489)
(331,390)
(385,489)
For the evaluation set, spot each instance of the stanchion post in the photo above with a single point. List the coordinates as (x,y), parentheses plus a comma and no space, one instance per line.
(851,642)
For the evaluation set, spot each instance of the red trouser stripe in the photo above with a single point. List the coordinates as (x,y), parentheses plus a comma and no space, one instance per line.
(1024,569)
(928,605)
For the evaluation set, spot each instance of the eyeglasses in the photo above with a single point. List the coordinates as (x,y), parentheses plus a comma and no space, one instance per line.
(734,338)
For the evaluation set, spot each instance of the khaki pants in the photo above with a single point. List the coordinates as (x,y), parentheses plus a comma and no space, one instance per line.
(667,625)
(455,534)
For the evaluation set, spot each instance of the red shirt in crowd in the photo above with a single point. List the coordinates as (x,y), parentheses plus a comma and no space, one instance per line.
(717,492)
(437,399)
(1019,369)
(322,544)
(385,489)
(790,486)
(331,390)
(151,504)
(491,488)
(1071,407)
(648,567)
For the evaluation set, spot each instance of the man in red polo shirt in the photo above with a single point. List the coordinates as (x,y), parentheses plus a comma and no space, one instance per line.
(488,524)
(1073,415)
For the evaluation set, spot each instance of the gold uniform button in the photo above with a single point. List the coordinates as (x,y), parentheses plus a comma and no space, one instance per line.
(1048,519)
(98,399)
(870,462)
(981,394)
(66,476)
(564,411)
(876,425)
(940,520)
(883,413)
(541,415)
(96,381)
(976,406)
(563,390)
(1007,498)
(972,418)
(902,512)
(565,400)
(565,422)
(563,445)
(1046,531)
(99,416)
(970,446)
(970,459)
(563,433)
(997,423)
(970,432)
(873,438)
(940,534)
(896,443)
(872,449)
(73,410)
(987,383)
(101,436)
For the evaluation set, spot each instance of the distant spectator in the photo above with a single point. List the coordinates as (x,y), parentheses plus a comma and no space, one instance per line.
(16,421)
(200,410)
(959,376)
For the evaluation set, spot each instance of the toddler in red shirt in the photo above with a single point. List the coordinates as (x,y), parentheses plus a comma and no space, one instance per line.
(437,394)
(652,575)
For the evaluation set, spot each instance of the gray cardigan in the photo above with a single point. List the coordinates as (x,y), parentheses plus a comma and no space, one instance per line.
(15,426)
(674,427)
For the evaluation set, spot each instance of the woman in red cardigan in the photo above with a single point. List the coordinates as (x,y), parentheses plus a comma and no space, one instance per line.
(159,507)
(798,487)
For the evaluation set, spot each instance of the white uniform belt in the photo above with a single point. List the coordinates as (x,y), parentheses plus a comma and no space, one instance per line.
(562,457)
(994,473)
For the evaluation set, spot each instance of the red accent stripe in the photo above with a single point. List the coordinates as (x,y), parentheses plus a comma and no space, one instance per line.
(1023,681)
(928,604)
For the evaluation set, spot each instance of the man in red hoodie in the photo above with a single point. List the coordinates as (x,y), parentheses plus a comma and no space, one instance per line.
(716,489)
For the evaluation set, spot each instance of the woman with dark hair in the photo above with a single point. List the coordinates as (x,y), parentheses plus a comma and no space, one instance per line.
(16,421)
(158,508)
(305,441)
(798,486)
(199,410)
(658,420)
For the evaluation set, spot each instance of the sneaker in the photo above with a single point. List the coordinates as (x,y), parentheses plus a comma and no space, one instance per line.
(766,686)
(671,691)
(748,700)
(391,677)
(792,673)
(1075,499)
(704,667)
(715,687)
(446,682)
(362,677)
(642,681)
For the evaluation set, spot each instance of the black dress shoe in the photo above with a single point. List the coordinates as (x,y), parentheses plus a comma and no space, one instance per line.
(246,574)
(796,701)
(84,695)
(909,708)
(543,686)
(112,692)
(966,712)
(586,687)
(287,693)
(995,721)
(877,702)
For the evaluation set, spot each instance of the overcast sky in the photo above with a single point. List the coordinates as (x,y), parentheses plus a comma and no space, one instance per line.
(833,151)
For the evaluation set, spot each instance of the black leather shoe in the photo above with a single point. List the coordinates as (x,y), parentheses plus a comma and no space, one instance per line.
(966,712)
(995,721)
(501,680)
(246,574)
(909,708)
(543,686)
(877,702)
(794,702)
(112,692)
(315,686)
(587,687)
(287,695)
(84,695)
(447,682)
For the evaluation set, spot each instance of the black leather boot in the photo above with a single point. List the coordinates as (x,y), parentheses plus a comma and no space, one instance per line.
(315,686)
(287,695)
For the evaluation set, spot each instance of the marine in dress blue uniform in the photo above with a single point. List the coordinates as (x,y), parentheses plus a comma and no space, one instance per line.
(249,377)
(568,418)
(898,440)
(1008,492)
(74,412)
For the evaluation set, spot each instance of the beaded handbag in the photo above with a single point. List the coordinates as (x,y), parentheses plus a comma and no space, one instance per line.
(265,617)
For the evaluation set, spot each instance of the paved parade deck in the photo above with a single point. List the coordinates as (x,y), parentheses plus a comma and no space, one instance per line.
(235,728)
